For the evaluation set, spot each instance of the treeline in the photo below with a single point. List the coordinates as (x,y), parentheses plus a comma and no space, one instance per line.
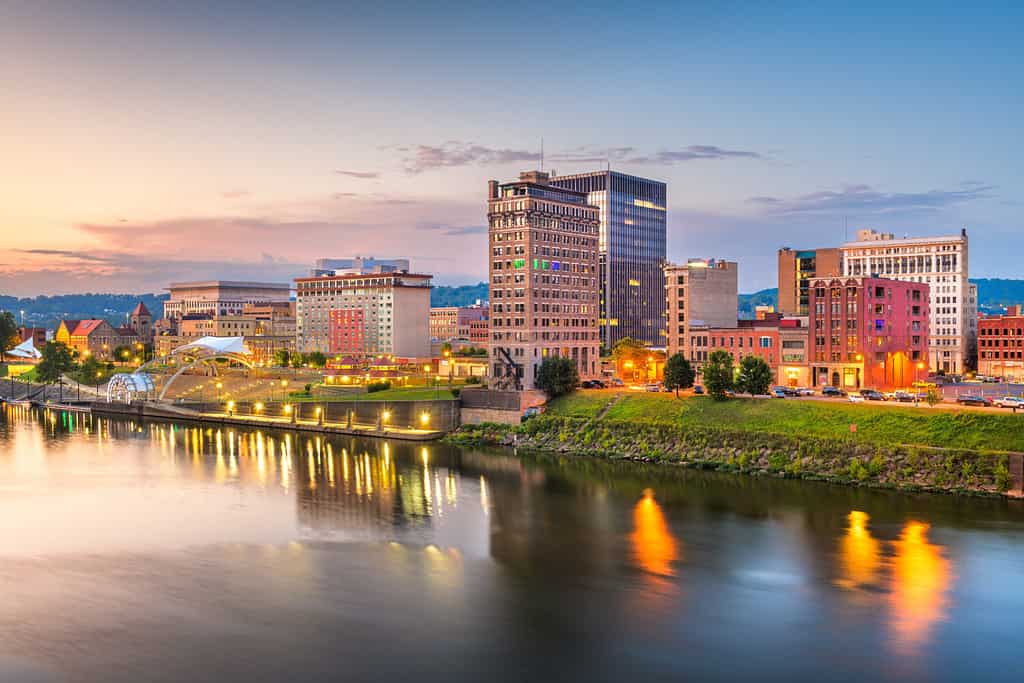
(48,311)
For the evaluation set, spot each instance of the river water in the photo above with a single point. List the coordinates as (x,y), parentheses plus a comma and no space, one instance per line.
(160,552)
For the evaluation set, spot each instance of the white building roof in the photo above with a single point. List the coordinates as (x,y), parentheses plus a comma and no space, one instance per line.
(26,349)
(216,345)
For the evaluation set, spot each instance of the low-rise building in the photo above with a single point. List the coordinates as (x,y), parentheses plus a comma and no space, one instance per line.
(1001,345)
(221,297)
(868,332)
(452,322)
(94,337)
(36,334)
(744,338)
(794,342)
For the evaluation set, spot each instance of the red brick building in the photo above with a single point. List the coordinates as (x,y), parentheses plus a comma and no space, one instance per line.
(747,338)
(1001,345)
(347,327)
(868,332)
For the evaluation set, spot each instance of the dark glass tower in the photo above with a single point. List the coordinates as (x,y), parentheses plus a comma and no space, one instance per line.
(632,252)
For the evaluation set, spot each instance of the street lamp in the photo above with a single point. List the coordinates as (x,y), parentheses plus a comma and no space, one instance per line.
(98,376)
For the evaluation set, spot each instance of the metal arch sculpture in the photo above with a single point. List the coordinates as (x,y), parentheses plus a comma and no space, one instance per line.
(127,385)
(202,351)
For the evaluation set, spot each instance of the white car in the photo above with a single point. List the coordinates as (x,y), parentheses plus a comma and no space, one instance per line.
(1010,402)
(804,391)
(856,398)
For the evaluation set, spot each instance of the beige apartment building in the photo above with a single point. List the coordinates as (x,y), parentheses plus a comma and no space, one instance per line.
(699,294)
(544,281)
(360,315)
(221,297)
(941,262)
(797,268)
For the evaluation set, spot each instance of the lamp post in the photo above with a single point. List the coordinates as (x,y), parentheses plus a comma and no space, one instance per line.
(98,376)
(448,358)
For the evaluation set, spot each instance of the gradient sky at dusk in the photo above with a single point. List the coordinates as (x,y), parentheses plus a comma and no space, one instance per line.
(147,142)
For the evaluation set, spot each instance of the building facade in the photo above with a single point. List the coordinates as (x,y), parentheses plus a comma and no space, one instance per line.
(741,339)
(794,357)
(699,294)
(36,334)
(94,337)
(221,298)
(632,251)
(452,322)
(381,313)
(868,332)
(543,275)
(941,263)
(358,265)
(797,269)
(1001,345)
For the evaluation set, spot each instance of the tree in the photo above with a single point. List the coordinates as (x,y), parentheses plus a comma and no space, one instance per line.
(755,376)
(8,333)
(678,373)
(297,359)
(55,362)
(556,376)
(122,354)
(281,358)
(718,376)
(317,359)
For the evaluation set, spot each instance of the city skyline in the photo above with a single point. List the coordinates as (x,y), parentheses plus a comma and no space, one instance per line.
(153,144)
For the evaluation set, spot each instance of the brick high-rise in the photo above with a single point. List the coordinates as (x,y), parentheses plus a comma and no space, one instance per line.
(542,265)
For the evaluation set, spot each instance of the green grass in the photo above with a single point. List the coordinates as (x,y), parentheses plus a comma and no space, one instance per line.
(889,425)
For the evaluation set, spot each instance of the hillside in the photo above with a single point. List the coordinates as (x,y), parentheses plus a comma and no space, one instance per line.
(47,311)
(460,295)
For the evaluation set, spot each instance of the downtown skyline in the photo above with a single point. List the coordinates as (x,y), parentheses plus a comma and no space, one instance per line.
(148,144)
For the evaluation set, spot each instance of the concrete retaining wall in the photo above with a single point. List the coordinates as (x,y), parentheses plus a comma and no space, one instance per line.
(473,416)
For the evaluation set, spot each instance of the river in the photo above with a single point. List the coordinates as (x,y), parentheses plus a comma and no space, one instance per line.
(160,552)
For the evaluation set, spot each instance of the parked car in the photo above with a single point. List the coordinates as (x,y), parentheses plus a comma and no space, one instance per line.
(832,392)
(616,382)
(974,400)
(805,391)
(1010,402)
(532,411)
(777,392)
(872,395)
(698,390)
(592,384)
(653,387)
(903,397)
(788,391)
(856,398)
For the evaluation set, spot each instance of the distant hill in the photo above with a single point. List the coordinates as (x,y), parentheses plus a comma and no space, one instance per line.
(48,311)
(461,295)
(994,295)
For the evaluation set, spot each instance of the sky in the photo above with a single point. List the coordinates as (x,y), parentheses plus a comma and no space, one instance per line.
(149,142)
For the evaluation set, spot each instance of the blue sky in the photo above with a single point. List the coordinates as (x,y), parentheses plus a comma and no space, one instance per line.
(146,142)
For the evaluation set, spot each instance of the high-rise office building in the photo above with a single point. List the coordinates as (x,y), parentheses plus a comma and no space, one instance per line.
(632,218)
(797,268)
(941,262)
(542,266)
(699,294)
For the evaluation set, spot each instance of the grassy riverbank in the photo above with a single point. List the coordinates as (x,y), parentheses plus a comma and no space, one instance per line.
(906,448)
(922,426)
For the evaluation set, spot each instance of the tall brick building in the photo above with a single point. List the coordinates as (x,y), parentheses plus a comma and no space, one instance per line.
(543,274)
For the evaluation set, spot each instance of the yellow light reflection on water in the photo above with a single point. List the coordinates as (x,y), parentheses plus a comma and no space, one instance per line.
(921,578)
(654,547)
(859,553)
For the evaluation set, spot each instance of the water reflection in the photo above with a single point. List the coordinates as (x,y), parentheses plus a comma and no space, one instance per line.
(654,548)
(921,580)
(859,553)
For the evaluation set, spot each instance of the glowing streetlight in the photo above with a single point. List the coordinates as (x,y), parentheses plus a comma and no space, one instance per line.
(257,407)
(424,418)
(231,408)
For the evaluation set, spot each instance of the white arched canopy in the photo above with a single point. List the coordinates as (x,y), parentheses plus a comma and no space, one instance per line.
(125,387)
(203,350)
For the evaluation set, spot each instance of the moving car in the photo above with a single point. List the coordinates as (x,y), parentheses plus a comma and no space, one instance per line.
(1010,402)
(832,392)
(974,400)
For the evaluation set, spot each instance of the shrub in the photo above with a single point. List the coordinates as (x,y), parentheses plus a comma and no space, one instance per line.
(472,379)
(374,387)
(556,376)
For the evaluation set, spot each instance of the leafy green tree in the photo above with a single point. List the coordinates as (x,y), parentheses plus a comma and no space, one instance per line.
(297,359)
(932,398)
(56,361)
(718,374)
(556,376)
(281,358)
(122,354)
(8,333)
(679,373)
(317,359)
(755,376)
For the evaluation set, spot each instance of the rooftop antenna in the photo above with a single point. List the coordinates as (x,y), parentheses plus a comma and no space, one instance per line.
(542,152)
